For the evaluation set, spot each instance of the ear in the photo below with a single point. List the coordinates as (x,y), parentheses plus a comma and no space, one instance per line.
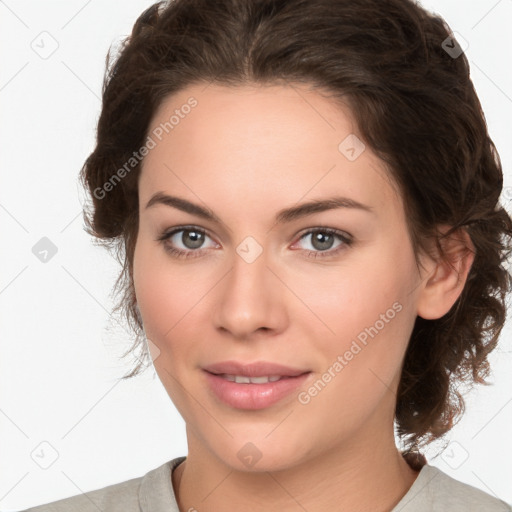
(443,282)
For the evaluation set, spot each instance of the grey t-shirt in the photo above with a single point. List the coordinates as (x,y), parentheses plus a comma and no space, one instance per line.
(432,491)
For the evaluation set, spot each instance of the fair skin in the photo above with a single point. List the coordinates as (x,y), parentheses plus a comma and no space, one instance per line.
(245,154)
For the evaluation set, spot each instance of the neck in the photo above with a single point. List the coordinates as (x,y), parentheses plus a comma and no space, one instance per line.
(362,477)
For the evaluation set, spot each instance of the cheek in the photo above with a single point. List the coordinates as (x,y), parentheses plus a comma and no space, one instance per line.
(156,291)
(348,299)
(365,315)
(361,357)
(167,294)
(168,297)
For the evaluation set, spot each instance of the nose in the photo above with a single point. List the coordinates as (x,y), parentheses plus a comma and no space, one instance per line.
(251,299)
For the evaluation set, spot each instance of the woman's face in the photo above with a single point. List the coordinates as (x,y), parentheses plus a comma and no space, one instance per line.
(261,285)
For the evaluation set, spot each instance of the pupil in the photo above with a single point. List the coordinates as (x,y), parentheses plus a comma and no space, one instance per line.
(197,239)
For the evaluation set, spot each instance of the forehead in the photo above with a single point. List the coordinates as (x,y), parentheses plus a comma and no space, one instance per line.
(284,142)
(253,117)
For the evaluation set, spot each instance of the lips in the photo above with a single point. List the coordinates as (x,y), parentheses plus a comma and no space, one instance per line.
(255,385)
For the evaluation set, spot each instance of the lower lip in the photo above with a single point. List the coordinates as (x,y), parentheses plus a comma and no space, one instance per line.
(253,396)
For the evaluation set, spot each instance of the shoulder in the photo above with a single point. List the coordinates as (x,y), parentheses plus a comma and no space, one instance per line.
(113,498)
(454,493)
(121,497)
(436,491)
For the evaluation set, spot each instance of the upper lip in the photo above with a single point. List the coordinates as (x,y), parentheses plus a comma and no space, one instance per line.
(257,369)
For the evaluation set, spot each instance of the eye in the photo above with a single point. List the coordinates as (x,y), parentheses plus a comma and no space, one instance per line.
(323,239)
(191,239)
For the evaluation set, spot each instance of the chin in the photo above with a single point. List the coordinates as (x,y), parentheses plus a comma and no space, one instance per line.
(255,457)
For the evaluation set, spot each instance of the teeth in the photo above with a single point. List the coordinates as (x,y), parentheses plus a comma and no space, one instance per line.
(242,379)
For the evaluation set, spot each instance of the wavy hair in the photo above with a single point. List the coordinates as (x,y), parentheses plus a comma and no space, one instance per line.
(416,108)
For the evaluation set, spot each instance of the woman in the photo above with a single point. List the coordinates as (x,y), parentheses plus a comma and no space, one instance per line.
(307,199)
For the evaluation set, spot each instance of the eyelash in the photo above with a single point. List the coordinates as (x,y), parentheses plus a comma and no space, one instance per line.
(178,253)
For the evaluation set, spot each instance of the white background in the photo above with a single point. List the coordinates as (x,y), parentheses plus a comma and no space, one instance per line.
(59,363)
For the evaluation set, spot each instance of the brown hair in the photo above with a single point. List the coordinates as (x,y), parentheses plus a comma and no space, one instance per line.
(416,108)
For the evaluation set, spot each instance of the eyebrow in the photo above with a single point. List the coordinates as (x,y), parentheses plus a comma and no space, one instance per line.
(285,215)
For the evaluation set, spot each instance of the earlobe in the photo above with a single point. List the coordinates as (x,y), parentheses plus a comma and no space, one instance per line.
(445,280)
